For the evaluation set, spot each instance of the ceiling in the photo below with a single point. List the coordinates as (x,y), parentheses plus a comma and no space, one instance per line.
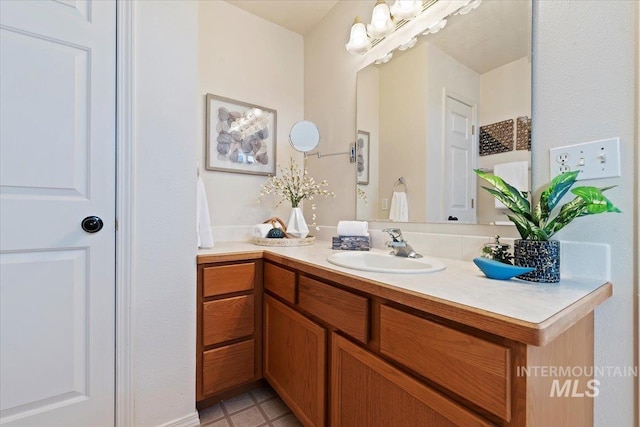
(492,35)
(300,16)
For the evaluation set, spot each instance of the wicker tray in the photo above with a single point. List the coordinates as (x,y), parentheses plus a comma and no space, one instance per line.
(262,241)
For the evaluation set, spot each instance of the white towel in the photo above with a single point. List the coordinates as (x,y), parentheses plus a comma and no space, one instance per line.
(261,230)
(353,228)
(399,210)
(203,222)
(515,174)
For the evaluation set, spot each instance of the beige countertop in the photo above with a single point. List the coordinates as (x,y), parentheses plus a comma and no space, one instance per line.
(544,310)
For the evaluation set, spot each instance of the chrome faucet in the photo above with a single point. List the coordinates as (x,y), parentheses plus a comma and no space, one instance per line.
(398,245)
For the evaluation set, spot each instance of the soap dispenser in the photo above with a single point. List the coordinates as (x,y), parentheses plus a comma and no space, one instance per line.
(497,251)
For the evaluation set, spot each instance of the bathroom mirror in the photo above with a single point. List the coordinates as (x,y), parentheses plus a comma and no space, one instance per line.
(304,136)
(459,99)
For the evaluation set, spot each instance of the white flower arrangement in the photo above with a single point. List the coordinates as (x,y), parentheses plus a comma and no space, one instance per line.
(294,185)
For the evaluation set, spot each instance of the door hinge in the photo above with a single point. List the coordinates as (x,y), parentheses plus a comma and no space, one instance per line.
(116,224)
(473,129)
(471,203)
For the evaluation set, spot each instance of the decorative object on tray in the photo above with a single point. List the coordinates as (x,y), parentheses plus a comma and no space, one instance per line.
(496,138)
(536,225)
(277,235)
(297,225)
(294,186)
(494,269)
(241,137)
(497,251)
(271,224)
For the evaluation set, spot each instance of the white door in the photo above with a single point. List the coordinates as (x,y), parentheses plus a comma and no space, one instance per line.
(57,166)
(459,183)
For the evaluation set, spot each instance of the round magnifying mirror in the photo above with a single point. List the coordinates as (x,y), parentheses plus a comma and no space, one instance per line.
(304,136)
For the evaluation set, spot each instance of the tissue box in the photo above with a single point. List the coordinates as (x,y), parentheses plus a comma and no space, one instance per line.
(351,243)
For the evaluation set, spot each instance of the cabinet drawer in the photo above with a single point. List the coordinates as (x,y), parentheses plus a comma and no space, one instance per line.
(343,310)
(475,369)
(226,367)
(368,391)
(227,319)
(224,279)
(280,281)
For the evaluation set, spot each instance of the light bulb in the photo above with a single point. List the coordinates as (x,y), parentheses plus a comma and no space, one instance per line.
(406,9)
(381,22)
(358,41)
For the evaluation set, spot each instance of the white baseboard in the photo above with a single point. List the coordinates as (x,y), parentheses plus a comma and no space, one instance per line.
(191,420)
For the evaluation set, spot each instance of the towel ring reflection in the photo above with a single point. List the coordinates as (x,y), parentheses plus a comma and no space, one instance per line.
(401,181)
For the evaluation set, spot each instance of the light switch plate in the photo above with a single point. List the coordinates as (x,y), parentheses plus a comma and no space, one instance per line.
(594,160)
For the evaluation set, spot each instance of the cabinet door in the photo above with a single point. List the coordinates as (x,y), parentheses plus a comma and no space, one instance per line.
(295,360)
(367,391)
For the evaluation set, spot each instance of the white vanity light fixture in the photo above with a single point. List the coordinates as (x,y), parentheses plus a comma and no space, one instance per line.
(435,28)
(381,21)
(359,41)
(406,9)
(384,59)
(468,7)
(390,28)
(408,45)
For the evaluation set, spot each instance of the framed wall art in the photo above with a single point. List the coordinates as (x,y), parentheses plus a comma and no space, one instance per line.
(362,157)
(240,137)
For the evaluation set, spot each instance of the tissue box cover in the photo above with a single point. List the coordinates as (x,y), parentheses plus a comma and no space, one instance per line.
(351,243)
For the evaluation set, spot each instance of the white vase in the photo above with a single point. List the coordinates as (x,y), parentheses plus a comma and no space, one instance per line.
(297,226)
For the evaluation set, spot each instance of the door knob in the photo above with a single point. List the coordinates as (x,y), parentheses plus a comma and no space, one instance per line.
(92,224)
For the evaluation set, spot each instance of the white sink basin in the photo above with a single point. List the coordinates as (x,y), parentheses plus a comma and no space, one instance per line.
(385,263)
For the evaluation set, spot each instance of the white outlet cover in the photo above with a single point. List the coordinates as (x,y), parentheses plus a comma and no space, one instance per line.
(595,159)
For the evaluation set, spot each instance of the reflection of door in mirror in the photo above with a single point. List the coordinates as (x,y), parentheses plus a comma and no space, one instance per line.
(458,182)
(425,108)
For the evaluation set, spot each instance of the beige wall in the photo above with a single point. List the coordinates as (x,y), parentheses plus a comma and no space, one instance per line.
(368,108)
(163,240)
(330,101)
(243,57)
(403,91)
(584,88)
(505,92)
(584,85)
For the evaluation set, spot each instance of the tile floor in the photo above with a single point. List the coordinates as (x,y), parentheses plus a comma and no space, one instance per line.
(257,408)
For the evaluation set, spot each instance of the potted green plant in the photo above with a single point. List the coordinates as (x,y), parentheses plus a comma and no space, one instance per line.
(536,225)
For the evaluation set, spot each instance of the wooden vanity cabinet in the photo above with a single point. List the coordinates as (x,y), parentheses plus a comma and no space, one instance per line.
(367,391)
(229,328)
(295,360)
(344,352)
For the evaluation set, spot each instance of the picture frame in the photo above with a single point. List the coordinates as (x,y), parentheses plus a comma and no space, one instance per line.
(362,157)
(240,137)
